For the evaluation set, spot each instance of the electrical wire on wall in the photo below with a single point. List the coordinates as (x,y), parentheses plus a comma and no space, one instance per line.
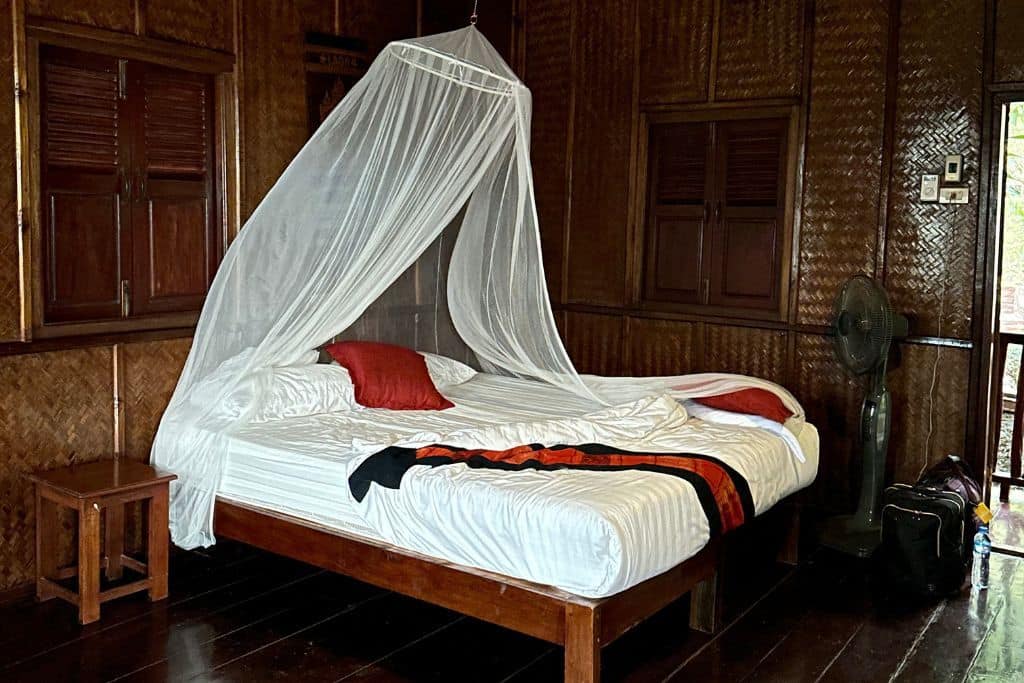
(938,356)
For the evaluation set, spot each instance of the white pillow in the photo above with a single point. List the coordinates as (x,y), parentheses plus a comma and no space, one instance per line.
(447,372)
(306,390)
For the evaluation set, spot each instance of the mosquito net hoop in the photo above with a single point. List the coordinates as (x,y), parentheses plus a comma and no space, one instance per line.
(438,125)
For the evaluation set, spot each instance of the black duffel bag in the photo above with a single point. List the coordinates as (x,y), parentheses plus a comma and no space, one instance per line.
(928,531)
(924,541)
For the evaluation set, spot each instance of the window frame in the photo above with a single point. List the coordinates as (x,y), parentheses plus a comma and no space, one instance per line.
(29,40)
(705,115)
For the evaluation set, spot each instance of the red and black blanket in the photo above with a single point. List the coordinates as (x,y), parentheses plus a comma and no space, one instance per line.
(723,492)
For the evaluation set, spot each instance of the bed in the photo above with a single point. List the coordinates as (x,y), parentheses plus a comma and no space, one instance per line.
(593,556)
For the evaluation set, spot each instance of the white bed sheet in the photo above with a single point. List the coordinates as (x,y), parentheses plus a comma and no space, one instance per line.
(589,533)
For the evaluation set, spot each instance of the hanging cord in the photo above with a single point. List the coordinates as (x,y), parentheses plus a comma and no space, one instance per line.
(938,357)
(473,17)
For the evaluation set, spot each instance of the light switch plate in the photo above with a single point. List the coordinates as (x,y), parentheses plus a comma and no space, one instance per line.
(930,187)
(953,195)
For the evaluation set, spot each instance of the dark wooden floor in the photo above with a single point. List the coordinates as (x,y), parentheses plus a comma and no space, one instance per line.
(236,614)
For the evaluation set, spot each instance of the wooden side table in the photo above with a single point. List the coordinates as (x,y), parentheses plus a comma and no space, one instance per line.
(91,489)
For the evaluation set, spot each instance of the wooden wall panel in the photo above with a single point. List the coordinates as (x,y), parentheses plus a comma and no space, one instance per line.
(495,20)
(918,409)
(55,408)
(196,22)
(675,50)
(602,141)
(839,229)
(832,399)
(745,351)
(1008,62)
(272,97)
(378,23)
(547,60)
(930,248)
(10,294)
(595,343)
(117,15)
(150,373)
(760,49)
(663,347)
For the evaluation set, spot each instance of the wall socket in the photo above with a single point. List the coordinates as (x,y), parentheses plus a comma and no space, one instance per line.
(953,195)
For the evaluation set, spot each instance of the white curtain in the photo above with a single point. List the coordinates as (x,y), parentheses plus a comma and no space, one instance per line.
(437,125)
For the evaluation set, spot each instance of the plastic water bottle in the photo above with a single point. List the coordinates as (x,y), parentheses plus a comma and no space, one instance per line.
(982,551)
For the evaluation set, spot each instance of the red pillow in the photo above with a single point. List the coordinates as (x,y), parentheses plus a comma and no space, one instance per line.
(750,402)
(388,376)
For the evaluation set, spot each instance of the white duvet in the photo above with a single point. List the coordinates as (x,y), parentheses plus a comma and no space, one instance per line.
(590,533)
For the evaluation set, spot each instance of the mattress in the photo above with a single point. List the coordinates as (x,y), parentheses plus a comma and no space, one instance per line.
(593,534)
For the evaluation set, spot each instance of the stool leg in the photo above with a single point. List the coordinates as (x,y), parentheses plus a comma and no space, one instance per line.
(158,544)
(114,543)
(88,562)
(46,545)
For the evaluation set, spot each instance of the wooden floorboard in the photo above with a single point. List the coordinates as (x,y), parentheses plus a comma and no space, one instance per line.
(237,614)
(342,645)
(948,647)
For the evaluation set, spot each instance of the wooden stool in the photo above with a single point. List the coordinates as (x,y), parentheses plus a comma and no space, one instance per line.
(106,485)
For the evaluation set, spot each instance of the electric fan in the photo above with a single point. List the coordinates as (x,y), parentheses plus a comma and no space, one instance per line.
(863,327)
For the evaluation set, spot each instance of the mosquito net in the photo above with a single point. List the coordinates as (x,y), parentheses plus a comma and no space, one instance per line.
(437,130)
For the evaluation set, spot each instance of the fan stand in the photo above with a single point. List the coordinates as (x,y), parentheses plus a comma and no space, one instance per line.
(859,534)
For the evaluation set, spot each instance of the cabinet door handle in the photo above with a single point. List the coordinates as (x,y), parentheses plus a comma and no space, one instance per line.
(126,297)
(718,211)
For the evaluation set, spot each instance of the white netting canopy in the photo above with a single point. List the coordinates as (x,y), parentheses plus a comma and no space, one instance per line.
(438,127)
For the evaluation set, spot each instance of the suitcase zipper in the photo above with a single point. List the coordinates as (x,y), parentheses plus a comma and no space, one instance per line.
(957,498)
(938,530)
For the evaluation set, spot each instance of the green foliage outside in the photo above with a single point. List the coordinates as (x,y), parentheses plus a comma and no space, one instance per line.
(1013,217)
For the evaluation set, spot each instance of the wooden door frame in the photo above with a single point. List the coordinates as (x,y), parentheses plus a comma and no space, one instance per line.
(982,439)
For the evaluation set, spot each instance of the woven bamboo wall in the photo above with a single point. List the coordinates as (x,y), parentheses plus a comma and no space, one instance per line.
(876,119)
(1009,41)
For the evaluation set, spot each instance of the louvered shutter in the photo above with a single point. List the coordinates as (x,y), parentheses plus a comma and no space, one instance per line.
(747,237)
(175,240)
(83,155)
(679,178)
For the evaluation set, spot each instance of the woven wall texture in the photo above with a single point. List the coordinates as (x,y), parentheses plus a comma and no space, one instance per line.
(930,248)
(663,347)
(839,230)
(760,49)
(675,50)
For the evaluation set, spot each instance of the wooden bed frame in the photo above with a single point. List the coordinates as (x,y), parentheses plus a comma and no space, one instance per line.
(582,626)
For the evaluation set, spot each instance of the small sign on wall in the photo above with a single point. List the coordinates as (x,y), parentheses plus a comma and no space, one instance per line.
(930,187)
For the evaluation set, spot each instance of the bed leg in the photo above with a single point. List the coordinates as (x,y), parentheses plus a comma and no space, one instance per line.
(706,604)
(582,644)
(789,552)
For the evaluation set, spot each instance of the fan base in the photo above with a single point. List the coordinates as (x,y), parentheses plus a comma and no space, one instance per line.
(852,535)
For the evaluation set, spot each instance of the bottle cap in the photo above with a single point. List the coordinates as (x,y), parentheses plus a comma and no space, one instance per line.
(983,513)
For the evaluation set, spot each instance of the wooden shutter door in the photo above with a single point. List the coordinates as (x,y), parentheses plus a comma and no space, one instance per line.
(175,239)
(84,210)
(749,213)
(677,212)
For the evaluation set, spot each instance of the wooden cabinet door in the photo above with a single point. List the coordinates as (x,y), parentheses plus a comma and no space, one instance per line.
(678,239)
(83,156)
(174,206)
(749,213)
